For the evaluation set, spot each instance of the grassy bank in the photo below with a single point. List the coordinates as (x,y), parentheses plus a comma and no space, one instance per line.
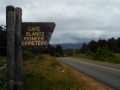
(2,78)
(46,73)
(115,60)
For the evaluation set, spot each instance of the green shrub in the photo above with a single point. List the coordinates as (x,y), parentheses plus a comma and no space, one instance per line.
(55,63)
(89,53)
(103,54)
(3,58)
(27,55)
(57,55)
(115,60)
(70,53)
(40,56)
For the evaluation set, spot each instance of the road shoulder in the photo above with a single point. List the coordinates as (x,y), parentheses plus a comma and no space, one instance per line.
(91,83)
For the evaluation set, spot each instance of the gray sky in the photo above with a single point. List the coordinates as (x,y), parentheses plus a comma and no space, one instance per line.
(76,20)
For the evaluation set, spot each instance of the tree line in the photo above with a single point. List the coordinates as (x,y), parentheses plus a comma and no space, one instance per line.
(3,41)
(112,43)
(54,50)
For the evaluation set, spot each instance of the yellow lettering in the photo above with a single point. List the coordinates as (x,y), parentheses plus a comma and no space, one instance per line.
(25,38)
(42,34)
(42,38)
(28,28)
(30,43)
(38,38)
(43,43)
(38,43)
(34,29)
(33,43)
(27,33)
(35,34)
(34,38)
(23,43)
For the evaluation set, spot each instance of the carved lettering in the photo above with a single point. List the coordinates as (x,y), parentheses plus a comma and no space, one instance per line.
(34,37)
(33,43)
(34,33)
(33,28)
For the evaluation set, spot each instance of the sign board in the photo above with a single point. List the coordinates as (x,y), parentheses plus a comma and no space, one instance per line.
(36,35)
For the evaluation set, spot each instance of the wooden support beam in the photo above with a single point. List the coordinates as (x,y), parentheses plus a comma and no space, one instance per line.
(10,49)
(18,51)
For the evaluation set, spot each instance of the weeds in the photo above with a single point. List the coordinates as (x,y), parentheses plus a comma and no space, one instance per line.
(102,54)
(26,55)
(48,74)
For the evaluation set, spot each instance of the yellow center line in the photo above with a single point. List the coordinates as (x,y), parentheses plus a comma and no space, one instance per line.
(95,65)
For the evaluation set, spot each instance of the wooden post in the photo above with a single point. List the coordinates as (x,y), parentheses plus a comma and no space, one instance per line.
(10,48)
(18,51)
(8,8)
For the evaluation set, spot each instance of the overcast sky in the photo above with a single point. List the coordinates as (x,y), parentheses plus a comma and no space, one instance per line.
(76,20)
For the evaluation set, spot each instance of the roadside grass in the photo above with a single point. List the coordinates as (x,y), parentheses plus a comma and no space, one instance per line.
(3,83)
(115,60)
(44,72)
(1,71)
(3,58)
(82,56)
(2,87)
(2,79)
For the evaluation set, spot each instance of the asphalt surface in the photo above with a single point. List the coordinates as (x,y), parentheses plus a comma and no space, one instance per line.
(106,73)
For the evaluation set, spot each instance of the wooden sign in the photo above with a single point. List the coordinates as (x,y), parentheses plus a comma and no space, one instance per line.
(36,35)
(32,35)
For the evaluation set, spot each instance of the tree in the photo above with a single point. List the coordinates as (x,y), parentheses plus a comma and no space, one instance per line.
(118,44)
(59,49)
(50,50)
(83,49)
(3,41)
(93,46)
(70,52)
(102,43)
(112,44)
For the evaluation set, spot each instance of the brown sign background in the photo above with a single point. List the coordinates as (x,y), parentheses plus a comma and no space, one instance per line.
(36,35)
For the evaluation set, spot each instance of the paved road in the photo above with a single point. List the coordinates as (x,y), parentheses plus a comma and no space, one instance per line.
(108,74)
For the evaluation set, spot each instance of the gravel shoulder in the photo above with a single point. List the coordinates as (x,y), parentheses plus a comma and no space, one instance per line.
(91,83)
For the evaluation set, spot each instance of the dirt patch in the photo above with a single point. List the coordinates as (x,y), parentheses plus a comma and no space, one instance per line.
(92,84)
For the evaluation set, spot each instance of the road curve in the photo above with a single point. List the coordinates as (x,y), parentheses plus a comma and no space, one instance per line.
(108,74)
